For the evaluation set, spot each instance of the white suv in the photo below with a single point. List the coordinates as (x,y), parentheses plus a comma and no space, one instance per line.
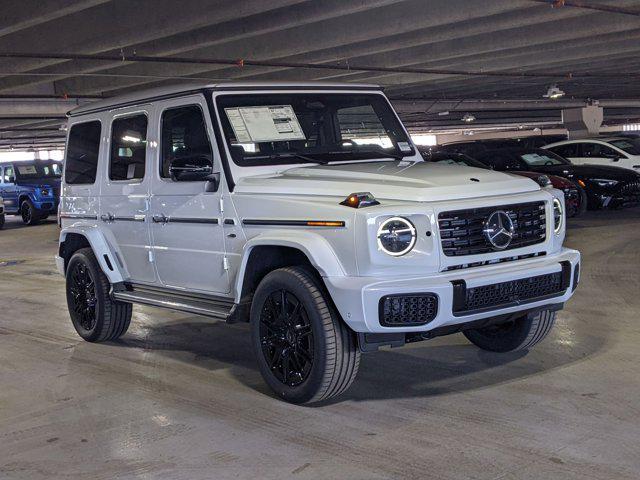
(2,217)
(305,210)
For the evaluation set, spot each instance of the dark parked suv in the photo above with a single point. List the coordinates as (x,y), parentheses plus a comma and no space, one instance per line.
(30,189)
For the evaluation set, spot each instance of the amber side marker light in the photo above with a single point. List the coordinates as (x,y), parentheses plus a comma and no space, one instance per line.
(314,223)
(360,200)
(582,184)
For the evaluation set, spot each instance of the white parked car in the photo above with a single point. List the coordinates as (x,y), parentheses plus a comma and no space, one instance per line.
(2,217)
(306,210)
(614,151)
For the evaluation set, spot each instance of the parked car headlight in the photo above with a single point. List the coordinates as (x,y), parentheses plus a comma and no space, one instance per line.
(396,236)
(558,216)
(45,192)
(603,182)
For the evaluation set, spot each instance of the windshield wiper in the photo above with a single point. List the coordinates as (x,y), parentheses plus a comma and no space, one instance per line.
(281,156)
(375,153)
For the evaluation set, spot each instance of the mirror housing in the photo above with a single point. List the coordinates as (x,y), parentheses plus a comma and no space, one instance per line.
(191,169)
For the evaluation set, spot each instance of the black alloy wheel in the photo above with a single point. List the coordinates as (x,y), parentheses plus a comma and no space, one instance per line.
(82,287)
(28,213)
(94,314)
(305,352)
(286,337)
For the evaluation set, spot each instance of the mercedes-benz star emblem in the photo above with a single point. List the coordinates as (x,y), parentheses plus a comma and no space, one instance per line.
(499,229)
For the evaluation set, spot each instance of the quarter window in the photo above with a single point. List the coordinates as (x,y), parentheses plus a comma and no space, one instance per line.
(128,148)
(598,150)
(184,137)
(82,153)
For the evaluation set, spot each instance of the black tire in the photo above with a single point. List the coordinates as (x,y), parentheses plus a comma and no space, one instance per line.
(520,334)
(29,213)
(2,221)
(95,316)
(308,327)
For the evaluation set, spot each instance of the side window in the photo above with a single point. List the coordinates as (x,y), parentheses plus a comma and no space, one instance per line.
(9,176)
(598,150)
(128,148)
(566,151)
(184,137)
(82,153)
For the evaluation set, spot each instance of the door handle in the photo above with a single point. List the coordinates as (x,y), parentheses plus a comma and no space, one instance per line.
(160,219)
(108,217)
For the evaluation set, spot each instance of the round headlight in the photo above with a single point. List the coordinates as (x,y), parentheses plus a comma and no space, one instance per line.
(396,236)
(558,215)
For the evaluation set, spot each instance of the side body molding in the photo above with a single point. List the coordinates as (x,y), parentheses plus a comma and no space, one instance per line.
(316,248)
(101,247)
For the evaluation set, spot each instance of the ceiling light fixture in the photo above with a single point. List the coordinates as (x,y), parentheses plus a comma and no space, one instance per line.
(554,92)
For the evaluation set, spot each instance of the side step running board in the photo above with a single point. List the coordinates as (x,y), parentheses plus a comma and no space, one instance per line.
(216,307)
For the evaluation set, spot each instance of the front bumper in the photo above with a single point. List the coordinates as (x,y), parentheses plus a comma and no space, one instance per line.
(357,298)
(47,205)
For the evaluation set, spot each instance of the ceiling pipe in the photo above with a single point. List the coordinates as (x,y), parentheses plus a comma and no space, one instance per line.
(271,63)
(590,6)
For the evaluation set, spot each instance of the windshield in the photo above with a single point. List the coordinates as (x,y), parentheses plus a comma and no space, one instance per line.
(39,170)
(454,159)
(273,129)
(542,157)
(628,146)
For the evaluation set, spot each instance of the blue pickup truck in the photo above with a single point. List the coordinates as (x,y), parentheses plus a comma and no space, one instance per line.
(30,189)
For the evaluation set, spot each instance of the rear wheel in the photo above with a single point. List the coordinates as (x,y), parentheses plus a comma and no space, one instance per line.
(305,352)
(2,220)
(520,334)
(95,316)
(29,213)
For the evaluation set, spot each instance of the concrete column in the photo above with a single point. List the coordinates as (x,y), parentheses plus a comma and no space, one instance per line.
(582,122)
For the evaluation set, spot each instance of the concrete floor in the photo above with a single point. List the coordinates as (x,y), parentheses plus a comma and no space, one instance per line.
(179,397)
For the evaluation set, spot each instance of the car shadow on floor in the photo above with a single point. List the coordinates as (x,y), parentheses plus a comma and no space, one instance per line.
(430,368)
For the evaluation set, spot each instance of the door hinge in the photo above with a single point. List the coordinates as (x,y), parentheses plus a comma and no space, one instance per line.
(221,205)
(225,263)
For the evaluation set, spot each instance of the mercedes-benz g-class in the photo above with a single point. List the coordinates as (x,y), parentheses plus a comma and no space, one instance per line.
(306,210)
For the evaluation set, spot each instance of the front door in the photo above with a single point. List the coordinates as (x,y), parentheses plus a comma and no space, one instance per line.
(187,230)
(124,202)
(597,154)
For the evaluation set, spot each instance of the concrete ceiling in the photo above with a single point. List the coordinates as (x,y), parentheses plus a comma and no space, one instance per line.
(493,58)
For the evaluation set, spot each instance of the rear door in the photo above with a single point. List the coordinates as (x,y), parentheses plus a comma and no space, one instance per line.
(124,202)
(9,190)
(187,229)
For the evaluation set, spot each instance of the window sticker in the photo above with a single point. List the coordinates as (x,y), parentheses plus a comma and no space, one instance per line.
(27,170)
(404,146)
(274,123)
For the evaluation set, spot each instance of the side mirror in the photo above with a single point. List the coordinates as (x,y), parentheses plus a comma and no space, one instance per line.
(11,179)
(191,169)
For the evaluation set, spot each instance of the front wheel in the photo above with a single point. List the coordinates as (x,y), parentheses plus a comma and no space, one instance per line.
(28,213)
(2,220)
(520,334)
(305,352)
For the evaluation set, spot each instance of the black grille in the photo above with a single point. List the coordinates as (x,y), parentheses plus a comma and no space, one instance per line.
(627,196)
(407,310)
(505,294)
(461,231)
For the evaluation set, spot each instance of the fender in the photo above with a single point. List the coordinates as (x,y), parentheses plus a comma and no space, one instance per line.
(101,247)
(316,248)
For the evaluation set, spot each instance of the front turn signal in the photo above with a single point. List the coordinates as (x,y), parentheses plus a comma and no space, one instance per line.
(360,200)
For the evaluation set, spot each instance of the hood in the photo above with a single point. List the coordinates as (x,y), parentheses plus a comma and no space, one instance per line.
(419,181)
(590,171)
(556,181)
